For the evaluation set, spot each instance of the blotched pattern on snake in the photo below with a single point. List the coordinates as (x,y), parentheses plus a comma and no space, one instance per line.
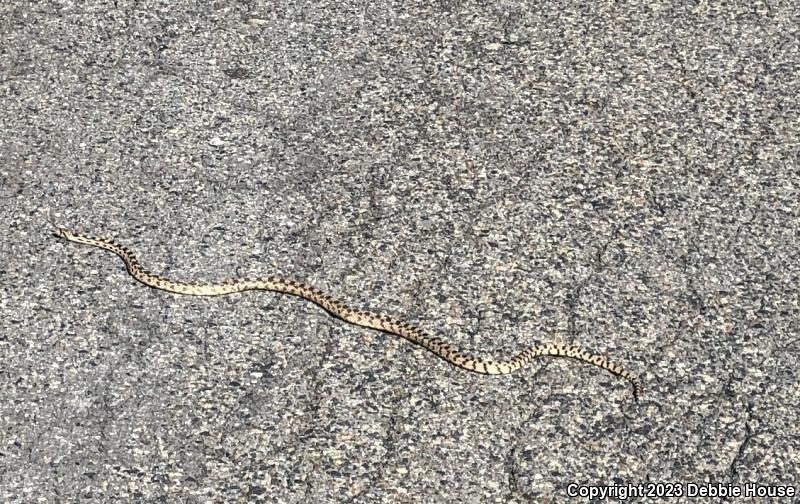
(338,308)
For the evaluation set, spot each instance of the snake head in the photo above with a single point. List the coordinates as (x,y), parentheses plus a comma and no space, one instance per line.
(63,233)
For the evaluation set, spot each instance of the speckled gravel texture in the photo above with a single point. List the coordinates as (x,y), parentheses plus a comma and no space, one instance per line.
(623,175)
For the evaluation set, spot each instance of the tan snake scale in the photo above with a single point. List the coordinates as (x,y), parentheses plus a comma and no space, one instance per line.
(352,315)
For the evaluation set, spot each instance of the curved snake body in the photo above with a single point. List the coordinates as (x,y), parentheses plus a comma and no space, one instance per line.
(352,315)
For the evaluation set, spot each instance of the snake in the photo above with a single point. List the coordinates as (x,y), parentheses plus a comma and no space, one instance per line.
(340,309)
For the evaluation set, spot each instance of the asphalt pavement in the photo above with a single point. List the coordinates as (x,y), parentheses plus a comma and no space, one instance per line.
(620,175)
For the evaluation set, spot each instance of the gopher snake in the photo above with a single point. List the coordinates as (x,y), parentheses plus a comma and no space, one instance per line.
(354,316)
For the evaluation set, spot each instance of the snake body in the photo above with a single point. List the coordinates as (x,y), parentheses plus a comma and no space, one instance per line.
(351,315)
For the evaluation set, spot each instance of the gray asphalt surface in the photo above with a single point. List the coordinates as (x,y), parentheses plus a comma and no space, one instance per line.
(620,175)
